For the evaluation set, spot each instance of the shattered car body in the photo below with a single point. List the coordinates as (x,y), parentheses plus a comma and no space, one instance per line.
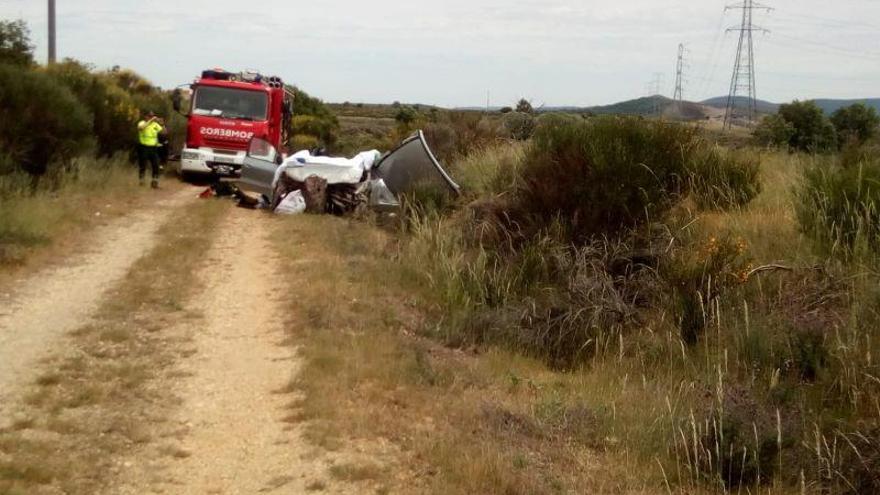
(364,179)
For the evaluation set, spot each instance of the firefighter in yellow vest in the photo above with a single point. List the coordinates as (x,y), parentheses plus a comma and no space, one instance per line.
(148,147)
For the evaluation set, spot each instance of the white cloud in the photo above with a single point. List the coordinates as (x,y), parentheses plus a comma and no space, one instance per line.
(450,52)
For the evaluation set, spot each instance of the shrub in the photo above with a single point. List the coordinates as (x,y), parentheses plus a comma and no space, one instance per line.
(524,106)
(42,122)
(856,122)
(114,112)
(812,129)
(15,44)
(519,126)
(146,98)
(855,469)
(406,115)
(853,153)
(312,125)
(736,445)
(604,175)
(491,171)
(130,81)
(773,130)
(840,207)
(456,134)
(303,142)
(721,179)
(311,116)
(584,304)
(698,277)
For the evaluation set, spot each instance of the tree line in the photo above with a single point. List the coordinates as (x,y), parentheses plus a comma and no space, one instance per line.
(803,126)
(50,115)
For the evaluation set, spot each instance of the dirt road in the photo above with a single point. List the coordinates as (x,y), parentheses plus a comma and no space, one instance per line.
(60,299)
(235,396)
(226,422)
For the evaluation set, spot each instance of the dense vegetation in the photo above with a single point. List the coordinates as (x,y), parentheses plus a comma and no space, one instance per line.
(314,125)
(803,126)
(734,287)
(66,133)
(52,115)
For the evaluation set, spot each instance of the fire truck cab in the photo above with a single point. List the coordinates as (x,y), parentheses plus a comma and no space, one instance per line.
(225,111)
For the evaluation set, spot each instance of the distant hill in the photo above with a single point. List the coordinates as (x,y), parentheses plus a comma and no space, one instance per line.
(646,106)
(639,106)
(829,106)
(741,101)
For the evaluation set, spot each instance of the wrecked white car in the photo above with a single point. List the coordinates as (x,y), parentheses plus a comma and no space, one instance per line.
(319,184)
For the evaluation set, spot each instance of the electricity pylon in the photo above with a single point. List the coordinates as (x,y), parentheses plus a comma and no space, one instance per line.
(679,76)
(742,83)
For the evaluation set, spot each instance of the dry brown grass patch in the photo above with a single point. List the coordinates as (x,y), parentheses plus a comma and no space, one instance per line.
(431,419)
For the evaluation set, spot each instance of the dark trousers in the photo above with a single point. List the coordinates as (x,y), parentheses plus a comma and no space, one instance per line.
(148,154)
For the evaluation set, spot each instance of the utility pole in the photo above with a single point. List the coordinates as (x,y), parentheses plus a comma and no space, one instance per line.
(52,52)
(742,83)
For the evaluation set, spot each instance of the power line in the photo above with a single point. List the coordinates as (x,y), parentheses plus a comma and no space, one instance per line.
(832,49)
(713,59)
(742,83)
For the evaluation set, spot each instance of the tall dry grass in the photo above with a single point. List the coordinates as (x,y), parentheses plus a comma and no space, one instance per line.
(776,391)
(33,216)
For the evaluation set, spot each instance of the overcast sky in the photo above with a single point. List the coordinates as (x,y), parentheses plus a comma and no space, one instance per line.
(452,52)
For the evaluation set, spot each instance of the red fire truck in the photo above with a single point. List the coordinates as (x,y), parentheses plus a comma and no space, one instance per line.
(226,110)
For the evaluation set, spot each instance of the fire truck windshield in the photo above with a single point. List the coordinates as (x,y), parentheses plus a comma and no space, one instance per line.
(230,103)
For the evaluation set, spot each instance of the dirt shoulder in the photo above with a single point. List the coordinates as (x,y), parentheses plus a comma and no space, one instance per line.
(92,401)
(49,303)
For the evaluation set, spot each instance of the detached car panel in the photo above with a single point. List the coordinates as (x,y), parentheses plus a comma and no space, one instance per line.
(411,166)
(259,167)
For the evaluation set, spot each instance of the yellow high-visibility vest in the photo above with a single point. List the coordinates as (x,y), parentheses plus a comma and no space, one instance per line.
(148,133)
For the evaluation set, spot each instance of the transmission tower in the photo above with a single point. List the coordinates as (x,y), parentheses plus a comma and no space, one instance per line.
(742,83)
(679,73)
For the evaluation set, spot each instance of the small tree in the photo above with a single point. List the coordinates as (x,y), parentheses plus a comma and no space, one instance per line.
(813,131)
(524,106)
(406,115)
(114,111)
(15,43)
(773,131)
(47,124)
(856,122)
